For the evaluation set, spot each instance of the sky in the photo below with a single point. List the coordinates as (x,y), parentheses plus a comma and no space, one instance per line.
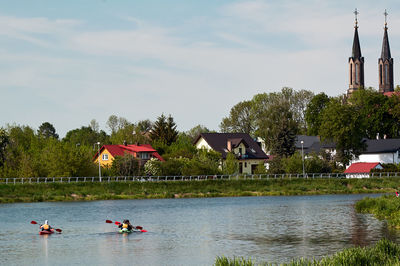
(68,62)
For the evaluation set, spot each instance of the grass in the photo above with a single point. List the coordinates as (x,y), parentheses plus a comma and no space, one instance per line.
(383,253)
(386,207)
(37,192)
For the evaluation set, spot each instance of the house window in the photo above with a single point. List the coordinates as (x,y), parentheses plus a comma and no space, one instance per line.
(105,157)
(144,155)
(245,165)
(240,151)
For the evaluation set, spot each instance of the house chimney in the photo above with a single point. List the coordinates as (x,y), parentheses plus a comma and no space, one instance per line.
(229,145)
(125,144)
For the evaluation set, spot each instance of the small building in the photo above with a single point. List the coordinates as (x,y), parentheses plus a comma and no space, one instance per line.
(310,144)
(247,151)
(361,170)
(143,152)
(383,151)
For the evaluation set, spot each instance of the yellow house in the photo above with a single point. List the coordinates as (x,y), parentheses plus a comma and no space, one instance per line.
(143,152)
(247,151)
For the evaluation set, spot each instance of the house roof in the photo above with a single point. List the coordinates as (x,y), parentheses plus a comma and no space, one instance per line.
(218,142)
(391,93)
(360,168)
(312,144)
(120,150)
(382,145)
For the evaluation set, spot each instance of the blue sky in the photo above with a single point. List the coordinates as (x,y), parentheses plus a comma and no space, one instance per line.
(68,62)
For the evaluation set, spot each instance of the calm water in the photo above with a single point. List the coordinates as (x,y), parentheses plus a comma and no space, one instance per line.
(186,231)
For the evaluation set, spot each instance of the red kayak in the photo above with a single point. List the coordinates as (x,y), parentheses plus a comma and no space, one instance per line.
(45,232)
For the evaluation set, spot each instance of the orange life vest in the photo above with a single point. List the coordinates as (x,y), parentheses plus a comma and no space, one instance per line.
(46,227)
(124,225)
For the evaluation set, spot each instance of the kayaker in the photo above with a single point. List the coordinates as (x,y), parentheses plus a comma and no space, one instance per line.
(45,226)
(126,225)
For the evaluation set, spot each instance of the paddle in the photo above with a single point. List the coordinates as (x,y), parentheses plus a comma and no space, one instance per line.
(57,229)
(110,222)
(118,223)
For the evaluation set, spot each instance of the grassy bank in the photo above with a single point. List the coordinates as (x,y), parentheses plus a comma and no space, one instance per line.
(385,207)
(180,189)
(384,252)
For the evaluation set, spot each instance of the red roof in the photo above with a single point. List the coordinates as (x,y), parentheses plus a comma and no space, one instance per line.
(360,168)
(391,93)
(120,150)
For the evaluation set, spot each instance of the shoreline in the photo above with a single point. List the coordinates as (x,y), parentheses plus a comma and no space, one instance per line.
(53,192)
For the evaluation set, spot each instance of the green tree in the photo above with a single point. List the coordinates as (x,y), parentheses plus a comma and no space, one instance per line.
(342,124)
(240,120)
(86,136)
(231,165)
(373,110)
(182,147)
(94,125)
(126,165)
(278,129)
(298,102)
(194,132)
(47,130)
(144,125)
(4,141)
(293,164)
(164,130)
(314,112)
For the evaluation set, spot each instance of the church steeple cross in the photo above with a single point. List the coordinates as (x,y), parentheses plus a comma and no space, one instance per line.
(385,14)
(355,14)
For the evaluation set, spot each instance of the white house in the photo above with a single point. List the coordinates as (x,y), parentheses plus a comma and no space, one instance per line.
(380,150)
(247,151)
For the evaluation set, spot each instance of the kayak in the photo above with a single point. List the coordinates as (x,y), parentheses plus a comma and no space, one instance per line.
(45,232)
(126,231)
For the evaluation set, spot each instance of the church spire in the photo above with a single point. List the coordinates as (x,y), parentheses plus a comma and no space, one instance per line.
(356,53)
(385,63)
(356,61)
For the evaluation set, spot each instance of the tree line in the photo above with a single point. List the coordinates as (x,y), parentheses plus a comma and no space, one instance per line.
(344,120)
(277,118)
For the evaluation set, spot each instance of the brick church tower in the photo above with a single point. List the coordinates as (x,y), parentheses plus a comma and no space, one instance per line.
(356,62)
(385,64)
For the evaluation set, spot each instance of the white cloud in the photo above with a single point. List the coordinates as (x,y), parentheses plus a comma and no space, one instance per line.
(142,71)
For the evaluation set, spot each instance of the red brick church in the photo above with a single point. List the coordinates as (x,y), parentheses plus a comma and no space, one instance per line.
(385,63)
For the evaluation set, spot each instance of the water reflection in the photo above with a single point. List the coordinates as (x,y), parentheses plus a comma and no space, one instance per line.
(188,231)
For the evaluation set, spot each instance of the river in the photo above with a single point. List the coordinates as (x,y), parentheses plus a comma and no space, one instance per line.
(186,231)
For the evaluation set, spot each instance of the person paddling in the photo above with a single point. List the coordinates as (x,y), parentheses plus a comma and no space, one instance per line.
(126,225)
(46,226)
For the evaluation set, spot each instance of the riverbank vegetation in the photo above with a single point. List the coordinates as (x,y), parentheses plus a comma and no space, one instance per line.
(36,192)
(384,252)
(276,117)
(386,207)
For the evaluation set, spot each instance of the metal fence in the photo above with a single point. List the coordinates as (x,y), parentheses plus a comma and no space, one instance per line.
(105,179)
